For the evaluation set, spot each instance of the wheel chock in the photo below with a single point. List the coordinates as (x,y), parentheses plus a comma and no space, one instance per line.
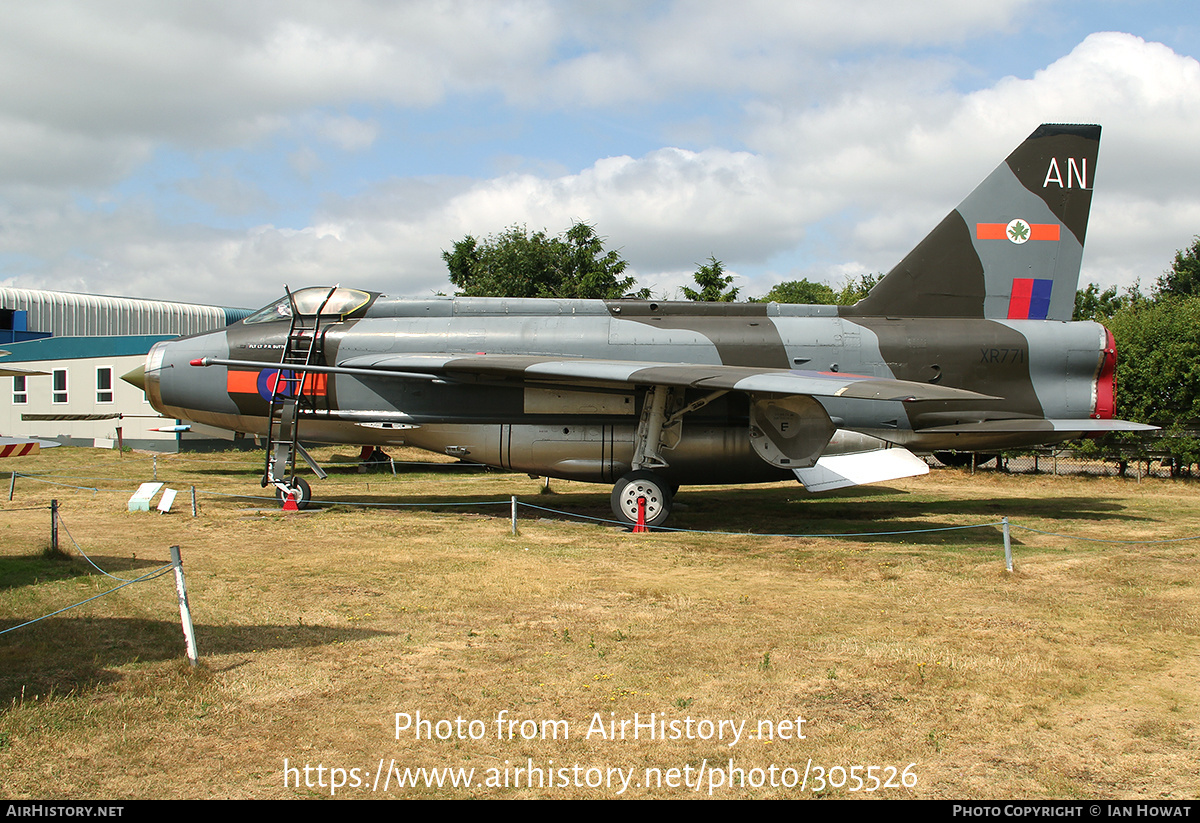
(640,526)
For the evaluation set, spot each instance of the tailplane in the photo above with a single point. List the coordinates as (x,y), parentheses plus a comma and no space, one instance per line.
(1012,249)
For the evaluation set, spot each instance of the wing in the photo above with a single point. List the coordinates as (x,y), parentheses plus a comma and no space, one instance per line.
(11,372)
(587,372)
(1078,427)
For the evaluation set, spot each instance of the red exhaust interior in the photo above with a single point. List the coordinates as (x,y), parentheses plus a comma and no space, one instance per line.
(1106,380)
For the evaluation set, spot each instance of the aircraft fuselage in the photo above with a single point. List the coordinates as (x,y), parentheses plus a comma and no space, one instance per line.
(1035,369)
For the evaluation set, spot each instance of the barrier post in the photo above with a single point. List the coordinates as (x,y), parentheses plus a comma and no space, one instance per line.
(514,515)
(1007,545)
(54,525)
(185,612)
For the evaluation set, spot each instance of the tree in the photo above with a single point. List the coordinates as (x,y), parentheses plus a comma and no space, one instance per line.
(1158,370)
(516,263)
(804,291)
(1158,367)
(1093,304)
(853,291)
(1183,279)
(712,281)
(800,291)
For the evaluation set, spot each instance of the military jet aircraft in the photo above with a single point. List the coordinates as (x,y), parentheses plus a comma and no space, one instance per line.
(965,345)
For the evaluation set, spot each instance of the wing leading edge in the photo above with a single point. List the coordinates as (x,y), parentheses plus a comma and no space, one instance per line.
(588,372)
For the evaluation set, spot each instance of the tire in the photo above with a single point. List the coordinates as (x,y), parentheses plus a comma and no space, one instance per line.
(649,485)
(303,493)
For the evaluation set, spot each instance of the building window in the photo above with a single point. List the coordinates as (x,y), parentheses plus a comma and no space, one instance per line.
(104,386)
(59,394)
(20,393)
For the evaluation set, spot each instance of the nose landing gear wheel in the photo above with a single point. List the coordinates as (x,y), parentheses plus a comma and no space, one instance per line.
(302,491)
(644,484)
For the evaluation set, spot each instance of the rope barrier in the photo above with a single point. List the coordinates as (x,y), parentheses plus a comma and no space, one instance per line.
(92,489)
(62,523)
(761,534)
(157,572)
(150,575)
(608,521)
(361,505)
(1105,540)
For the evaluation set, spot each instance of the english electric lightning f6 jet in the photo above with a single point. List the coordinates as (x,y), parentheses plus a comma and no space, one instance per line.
(966,345)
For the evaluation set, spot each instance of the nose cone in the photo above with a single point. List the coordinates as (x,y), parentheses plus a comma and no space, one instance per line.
(136,377)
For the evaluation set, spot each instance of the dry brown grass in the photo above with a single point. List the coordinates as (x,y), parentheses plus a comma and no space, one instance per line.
(1073,677)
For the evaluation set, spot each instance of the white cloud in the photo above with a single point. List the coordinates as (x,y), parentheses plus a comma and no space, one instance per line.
(347,133)
(200,74)
(902,161)
(842,158)
(780,49)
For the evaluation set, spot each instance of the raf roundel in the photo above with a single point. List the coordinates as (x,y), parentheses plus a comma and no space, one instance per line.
(1018,231)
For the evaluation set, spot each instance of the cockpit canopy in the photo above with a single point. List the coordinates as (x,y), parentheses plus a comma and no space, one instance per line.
(335,302)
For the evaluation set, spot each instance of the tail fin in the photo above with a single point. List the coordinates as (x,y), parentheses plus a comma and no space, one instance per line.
(1012,249)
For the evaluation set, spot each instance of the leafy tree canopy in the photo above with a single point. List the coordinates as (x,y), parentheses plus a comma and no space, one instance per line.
(1183,278)
(800,291)
(713,283)
(1093,304)
(1158,365)
(855,290)
(516,263)
(804,291)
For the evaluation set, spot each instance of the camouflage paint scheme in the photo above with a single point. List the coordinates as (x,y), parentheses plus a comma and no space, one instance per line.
(966,344)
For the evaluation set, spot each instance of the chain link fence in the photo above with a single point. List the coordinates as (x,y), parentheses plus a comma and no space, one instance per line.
(1134,462)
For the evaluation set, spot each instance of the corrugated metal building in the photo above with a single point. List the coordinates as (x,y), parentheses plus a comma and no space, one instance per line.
(82,344)
(93,315)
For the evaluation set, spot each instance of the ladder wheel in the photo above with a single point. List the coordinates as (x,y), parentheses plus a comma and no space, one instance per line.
(302,490)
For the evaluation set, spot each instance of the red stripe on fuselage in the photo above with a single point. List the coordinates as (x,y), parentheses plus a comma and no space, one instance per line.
(999,231)
(242,382)
(246,382)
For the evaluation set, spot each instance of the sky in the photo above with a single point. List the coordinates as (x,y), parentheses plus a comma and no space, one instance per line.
(213,152)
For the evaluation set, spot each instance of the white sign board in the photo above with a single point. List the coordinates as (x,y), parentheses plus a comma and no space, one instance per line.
(140,502)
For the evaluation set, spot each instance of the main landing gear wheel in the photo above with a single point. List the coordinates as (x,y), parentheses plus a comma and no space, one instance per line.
(302,490)
(643,484)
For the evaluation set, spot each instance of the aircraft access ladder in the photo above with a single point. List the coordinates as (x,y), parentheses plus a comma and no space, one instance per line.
(294,394)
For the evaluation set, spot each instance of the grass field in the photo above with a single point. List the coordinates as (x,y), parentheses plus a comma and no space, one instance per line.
(918,665)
